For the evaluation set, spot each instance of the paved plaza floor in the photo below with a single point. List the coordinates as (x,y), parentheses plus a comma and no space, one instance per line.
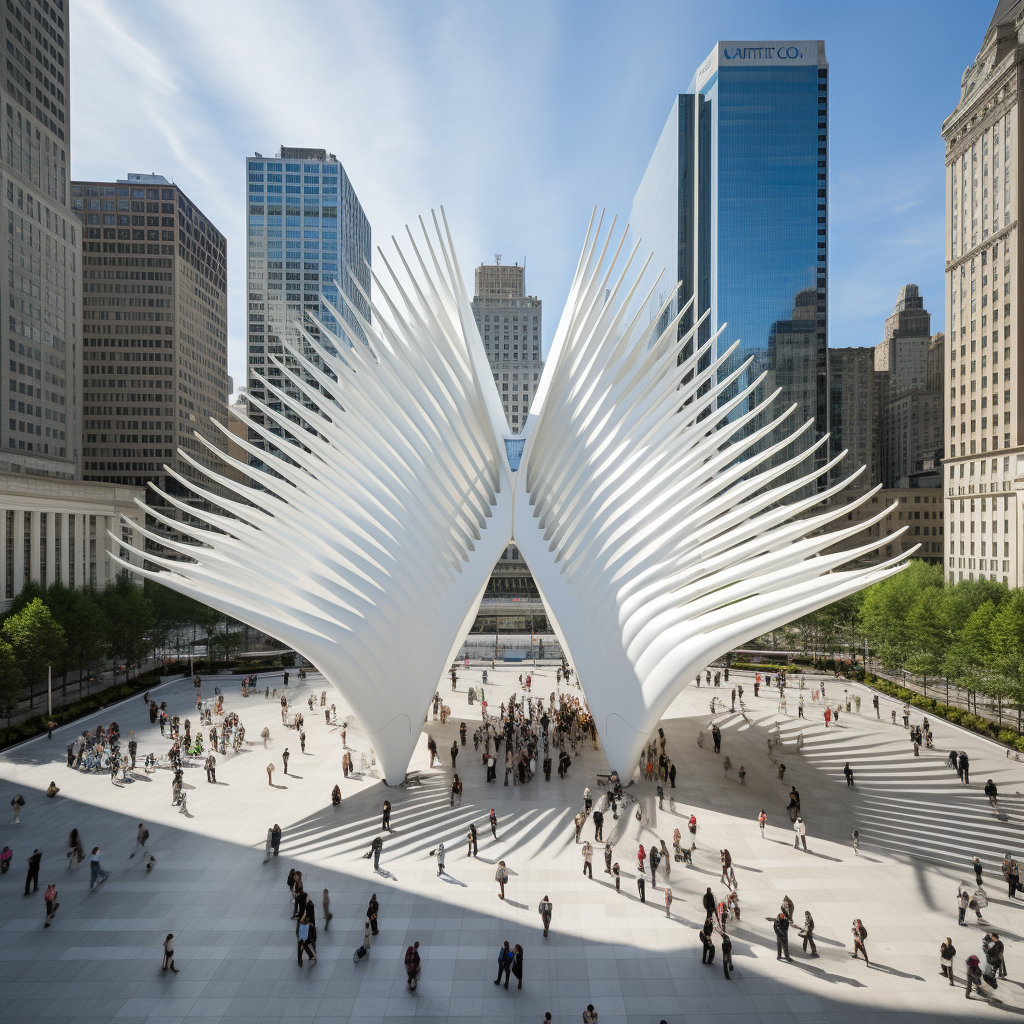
(230,913)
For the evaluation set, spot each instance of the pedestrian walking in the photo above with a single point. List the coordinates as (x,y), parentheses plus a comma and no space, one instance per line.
(709,902)
(963,901)
(501,877)
(964,768)
(544,909)
(598,826)
(270,774)
(800,836)
(494,823)
(578,823)
(641,888)
(211,768)
(946,953)
(992,792)
(284,760)
(504,963)
(140,840)
(856,842)
(860,934)
(994,952)
(781,928)
(440,859)
(32,878)
(517,965)
(716,735)
(275,840)
(326,902)
(976,864)
(50,898)
(588,857)
(373,913)
(168,963)
(17,803)
(975,978)
(848,772)
(726,955)
(807,933)
(617,874)
(762,820)
(304,941)
(668,901)
(375,850)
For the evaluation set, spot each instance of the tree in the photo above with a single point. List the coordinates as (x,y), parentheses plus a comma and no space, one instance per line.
(887,605)
(129,619)
(969,659)
(929,634)
(1006,631)
(11,682)
(37,639)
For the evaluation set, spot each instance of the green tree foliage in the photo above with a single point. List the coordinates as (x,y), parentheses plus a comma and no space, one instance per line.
(886,609)
(11,681)
(37,639)
(129,620)
(1006,632)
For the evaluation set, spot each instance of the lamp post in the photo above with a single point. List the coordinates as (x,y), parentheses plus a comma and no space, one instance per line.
(49,689)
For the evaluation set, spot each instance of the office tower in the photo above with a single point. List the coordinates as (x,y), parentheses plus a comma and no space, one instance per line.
(41,425)
(308,239)
(734,205)
(855,405)
(509,322)
(154,333)
(982,256)
(912,417)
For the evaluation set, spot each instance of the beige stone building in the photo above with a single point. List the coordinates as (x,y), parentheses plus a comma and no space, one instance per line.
(58,530)
(983,473)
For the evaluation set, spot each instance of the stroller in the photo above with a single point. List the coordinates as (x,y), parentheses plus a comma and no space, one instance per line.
(360,954)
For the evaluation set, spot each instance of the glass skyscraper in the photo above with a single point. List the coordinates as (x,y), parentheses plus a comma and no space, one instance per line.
(734,206)
(307,235)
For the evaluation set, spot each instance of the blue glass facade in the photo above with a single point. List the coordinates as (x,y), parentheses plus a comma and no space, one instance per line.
(734,206)
(307,238)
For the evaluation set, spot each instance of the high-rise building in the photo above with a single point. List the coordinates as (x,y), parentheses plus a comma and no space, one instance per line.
(912,403)
(855,406)
(154,333)
(40,432)
(985,461)
(734,205)
(308,239)
(509,322)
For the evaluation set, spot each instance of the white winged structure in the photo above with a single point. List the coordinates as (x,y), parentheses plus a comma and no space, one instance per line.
(630,492)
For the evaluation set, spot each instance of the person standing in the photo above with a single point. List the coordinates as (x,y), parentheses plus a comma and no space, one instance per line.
(598,826)
(588,857)
(762,820)
(504,963)
(848,772)
(963,901)
(17,803)
(807,933)
(641,887)
(653,857)
(326,902)
(471,848)
(1012,877)
(860,934)
(275,840)
(517,965)
(668,901)
(494,823)
(284,760)
(964,767)
(781,928)
(992,792)
(211,768)
(618,876)
(270,774)
(372,913)
(385,817)
(544,909)
(801,834)
(607,858)
(946,953)
(578,823)
(707,955)
(375,849)
(32,878)
(169,954)
(455,752)
(501,877)
(716,735)
(440,859)
(709,902)
(976,864)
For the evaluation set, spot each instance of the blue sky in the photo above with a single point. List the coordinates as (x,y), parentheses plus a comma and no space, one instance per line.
(517,117)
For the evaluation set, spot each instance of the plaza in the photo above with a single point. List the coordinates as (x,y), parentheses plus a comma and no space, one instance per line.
(230,911)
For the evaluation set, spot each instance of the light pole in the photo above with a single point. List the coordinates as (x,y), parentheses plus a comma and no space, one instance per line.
(49,689)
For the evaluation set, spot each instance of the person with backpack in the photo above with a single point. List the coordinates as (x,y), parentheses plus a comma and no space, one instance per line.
(504,963)
(860,934)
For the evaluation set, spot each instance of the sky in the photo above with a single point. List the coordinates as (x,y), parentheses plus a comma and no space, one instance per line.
(518,118)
